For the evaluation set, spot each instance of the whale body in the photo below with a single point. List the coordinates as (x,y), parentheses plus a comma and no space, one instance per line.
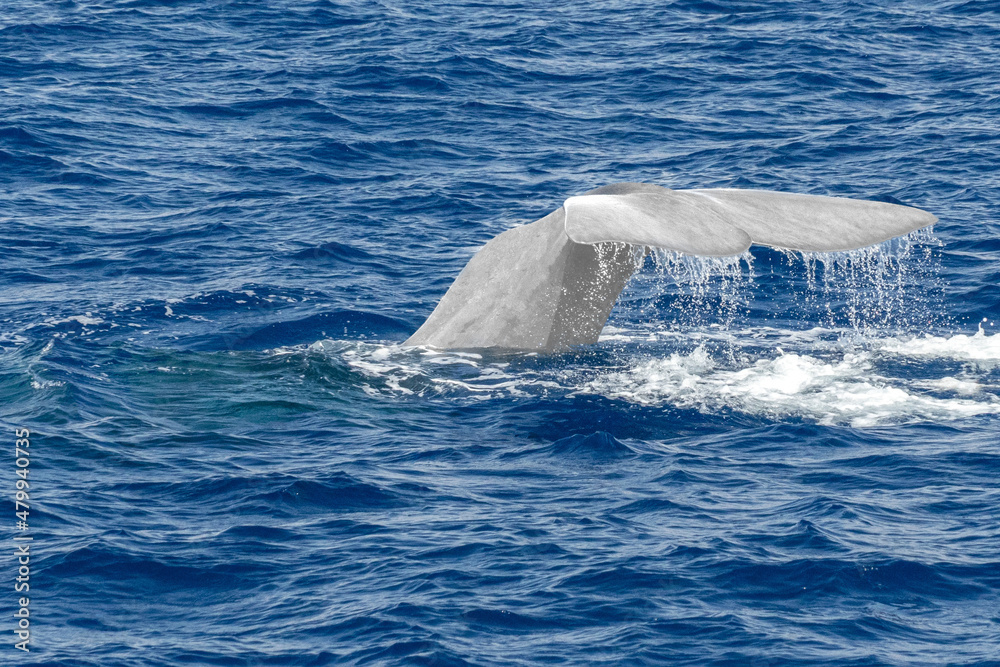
(551,284)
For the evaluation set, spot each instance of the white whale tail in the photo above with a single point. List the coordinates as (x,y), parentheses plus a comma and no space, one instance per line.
(551,284)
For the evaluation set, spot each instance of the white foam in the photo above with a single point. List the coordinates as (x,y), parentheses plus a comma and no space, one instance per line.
(838,391)
(13,338)
(823,375)
(609,333)
(46,384)
(980,347)
(80,319)
(954,385)
(398,370)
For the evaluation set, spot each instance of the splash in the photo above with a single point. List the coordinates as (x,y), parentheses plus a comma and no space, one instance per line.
(844,390)
(891,286)
(818,376)
(395,371)
(981,349)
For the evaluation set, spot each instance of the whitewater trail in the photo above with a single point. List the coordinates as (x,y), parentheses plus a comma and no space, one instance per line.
(852,382)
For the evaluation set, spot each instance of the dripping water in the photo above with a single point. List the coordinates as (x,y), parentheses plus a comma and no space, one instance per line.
(893,287)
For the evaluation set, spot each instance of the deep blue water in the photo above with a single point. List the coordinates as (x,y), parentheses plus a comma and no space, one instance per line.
(220,219)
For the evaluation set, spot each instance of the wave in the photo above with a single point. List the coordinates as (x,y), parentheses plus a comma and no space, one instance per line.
(823,376)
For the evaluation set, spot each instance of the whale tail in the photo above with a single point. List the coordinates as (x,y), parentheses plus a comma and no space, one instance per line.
(551,284)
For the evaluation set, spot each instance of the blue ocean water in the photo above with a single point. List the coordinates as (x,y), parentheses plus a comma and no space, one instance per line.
(220,220)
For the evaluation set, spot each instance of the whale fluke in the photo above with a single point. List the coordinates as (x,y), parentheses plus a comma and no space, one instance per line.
(551,284)
(681,221)
(813,222)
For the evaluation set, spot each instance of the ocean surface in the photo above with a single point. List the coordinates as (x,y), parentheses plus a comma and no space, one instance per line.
(219,221)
